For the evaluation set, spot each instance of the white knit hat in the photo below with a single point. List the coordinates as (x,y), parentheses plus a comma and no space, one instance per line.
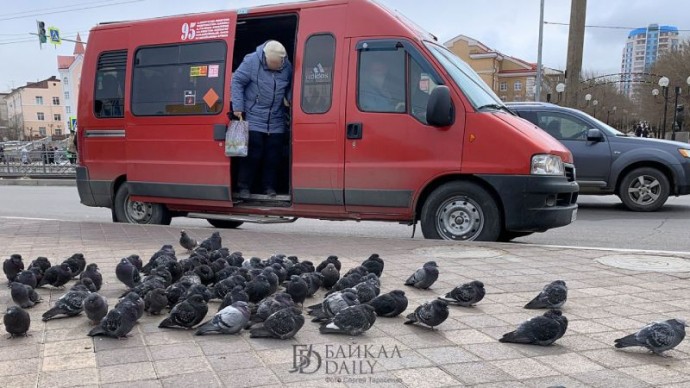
(273,49)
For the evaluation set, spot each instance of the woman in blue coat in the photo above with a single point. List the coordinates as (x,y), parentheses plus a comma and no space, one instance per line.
(261,91)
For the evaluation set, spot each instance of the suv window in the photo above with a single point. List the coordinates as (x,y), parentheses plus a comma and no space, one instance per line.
(563,127)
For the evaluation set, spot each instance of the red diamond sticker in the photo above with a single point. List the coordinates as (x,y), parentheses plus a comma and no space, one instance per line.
(210,98)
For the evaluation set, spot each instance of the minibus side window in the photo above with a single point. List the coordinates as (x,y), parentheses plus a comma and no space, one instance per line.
(317,74)
(381,81)
(182,79)
(110,85)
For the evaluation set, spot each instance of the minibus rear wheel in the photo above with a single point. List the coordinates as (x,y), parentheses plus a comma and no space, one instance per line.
(135,212)
(461,211)
(225,224)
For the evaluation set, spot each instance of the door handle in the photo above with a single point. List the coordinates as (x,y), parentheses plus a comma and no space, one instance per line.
(354,131)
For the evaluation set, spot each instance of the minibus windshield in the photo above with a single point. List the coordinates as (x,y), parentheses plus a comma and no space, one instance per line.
(476,90)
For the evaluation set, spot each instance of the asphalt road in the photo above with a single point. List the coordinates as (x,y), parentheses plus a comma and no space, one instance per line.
(602,221)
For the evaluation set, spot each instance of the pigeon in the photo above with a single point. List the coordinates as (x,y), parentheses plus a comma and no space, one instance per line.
(17,321)
(374,264)
(76,264)
(314,281)
(297,288)
(27,277)
(95,307)
(56,276)
(187,313)
(542,330)
(258,288)
(229,320)
(23,296)
(391,304)
(155,301)
(136,261)
(658,337)
(366,292)
(331,275)
(85,284)
(133,301)
(333,304)
(176,292)
(40,262)
(270,305)
(280,271)
(553,296)
(236,295)
(116,324)
(69,304)
(353,320)
(466,295)
(282,324)
(424,277)
(127,273)
(199,289)
(329,260)
(212,243)
(92,272)
(431,314)
(272,278)
(187,242)
(205,273)
(13,266)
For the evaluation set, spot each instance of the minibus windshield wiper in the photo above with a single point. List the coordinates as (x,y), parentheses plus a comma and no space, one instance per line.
(496,107)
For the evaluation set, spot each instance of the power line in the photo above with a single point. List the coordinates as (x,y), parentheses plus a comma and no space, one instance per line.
(54,8)
(3,43)
(607,27)
(69,10)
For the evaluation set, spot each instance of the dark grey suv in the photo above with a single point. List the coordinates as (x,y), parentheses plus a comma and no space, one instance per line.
(641,172)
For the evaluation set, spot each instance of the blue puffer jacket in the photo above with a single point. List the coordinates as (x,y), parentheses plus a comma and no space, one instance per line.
(258,92)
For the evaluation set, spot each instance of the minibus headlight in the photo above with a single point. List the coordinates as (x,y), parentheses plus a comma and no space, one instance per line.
(547,165)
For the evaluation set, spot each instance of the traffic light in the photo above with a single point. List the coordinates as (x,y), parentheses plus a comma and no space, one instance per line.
(41,26)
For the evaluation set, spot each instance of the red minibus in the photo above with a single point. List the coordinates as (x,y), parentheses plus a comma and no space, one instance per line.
(155,105)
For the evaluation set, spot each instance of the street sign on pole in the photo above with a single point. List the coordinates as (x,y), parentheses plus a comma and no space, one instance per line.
(54,35)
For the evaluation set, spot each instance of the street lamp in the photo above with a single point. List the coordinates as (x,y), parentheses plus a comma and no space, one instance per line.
(663,82)
(560,88)
(594,104)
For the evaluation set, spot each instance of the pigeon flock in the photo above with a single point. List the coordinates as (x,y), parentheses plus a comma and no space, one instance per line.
(267,297)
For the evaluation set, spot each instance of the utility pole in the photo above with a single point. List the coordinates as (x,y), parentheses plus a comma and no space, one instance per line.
(537,90)
(576,41)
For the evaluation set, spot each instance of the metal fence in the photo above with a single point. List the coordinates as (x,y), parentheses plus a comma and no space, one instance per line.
(31,160)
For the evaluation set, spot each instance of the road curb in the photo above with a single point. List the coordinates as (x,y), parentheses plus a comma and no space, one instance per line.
(36,182)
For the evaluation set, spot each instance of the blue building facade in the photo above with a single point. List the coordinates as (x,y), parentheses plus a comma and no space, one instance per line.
(642,48)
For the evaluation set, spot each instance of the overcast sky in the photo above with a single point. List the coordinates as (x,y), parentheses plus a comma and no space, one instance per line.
(509,26)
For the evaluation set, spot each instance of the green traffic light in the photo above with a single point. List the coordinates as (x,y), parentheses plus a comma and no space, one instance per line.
(41,32)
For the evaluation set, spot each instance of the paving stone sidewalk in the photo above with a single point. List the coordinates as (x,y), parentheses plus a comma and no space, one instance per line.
(604,303)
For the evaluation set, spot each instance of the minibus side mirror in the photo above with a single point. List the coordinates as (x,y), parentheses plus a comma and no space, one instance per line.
(594,135)
(439,109)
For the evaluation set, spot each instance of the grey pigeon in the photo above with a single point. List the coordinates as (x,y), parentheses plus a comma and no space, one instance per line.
(553,296)
(542,330)
(56,276)
(92,272)
(333,304)
(85,284)
(329,260)
(282,324)
(424,277)
(95,307)
(314,281)
(258,288)
(13,266)
(270,305)
(187,242)
(658,337)
(466,295)
(331,275)
(199,289)
(353,320)
(187,313)
(155,301)
(136,260)
(27,277)
(366,292)
(17,321)
(23,296)
(212,243)
(230,320)
(391,304)
(116,324)
(134,301)
(431,313)
(297,288)
(127,273)
(69,304)
(76,264)
(374,264)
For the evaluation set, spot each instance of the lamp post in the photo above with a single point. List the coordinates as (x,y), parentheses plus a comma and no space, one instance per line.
(675,113)
(663,82)
(561,87)
(594,104)
(608,112)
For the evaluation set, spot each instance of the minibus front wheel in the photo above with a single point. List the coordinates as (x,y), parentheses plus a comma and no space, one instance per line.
(135,212)
(461,211)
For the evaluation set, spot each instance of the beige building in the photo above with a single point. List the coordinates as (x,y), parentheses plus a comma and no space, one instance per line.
(512,79)
(36,111)
(69,68)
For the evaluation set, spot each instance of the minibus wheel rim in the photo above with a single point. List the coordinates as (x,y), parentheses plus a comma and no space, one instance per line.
(138,212)
(460,218)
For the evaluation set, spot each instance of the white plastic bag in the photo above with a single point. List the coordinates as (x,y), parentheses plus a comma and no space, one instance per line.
(237,138)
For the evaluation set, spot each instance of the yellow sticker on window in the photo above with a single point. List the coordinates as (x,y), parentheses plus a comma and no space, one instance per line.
(198,71)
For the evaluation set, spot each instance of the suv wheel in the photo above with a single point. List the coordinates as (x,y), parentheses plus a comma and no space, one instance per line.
(644,189)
